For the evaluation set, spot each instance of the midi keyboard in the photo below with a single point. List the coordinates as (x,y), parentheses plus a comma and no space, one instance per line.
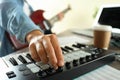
(79,59)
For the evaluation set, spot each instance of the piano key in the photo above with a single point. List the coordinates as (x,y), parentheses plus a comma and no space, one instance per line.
(16,58)
(65,50)
(69,48)
(76,46)
(42,65)
(6,60)
(24,56)
(33,67)
(4,66)
(82,45)
(29,57)
(68,59)
(13,61)
(21,58)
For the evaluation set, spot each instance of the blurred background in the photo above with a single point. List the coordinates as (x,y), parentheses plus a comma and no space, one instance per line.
(80,16)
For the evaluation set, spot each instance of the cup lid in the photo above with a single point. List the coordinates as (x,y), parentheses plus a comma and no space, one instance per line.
(103,27)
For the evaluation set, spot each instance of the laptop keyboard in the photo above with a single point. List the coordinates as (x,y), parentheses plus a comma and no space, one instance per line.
(115,40)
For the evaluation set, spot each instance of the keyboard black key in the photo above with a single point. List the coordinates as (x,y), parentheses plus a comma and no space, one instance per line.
(29,57)
(69,48)
(81,45)
(65,50)
(76,46)
(21,58)
(13,61)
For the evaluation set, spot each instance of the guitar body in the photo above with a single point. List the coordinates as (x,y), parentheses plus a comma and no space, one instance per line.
(38,18)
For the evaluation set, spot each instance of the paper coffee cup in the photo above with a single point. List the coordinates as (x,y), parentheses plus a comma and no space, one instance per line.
(102,36)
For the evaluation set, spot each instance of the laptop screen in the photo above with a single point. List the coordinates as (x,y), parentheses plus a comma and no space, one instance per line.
(109,15)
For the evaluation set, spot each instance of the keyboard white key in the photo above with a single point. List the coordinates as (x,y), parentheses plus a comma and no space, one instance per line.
(42,65)
(34,68)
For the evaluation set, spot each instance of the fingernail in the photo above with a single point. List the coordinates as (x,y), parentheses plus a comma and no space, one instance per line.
(55,67)
(61,63)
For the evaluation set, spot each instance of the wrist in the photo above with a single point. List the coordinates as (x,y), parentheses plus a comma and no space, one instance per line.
(32,34)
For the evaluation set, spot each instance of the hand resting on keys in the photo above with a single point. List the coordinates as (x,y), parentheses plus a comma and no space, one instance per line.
(45,48)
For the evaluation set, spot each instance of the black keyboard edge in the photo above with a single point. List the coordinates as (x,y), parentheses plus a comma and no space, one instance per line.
(85,68)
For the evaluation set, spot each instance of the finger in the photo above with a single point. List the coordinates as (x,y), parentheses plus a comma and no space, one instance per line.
(33,52)
(57,49)
(50,52)
(41,52)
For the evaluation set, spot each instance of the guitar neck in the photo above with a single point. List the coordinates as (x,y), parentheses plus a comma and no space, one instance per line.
(56,17)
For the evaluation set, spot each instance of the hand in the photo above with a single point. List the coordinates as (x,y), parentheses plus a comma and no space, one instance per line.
(45,48)
(60,16)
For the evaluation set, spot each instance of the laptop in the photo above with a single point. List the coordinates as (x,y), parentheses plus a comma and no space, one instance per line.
(108,14)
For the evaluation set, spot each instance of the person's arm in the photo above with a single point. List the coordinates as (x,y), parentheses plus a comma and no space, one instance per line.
(42,47)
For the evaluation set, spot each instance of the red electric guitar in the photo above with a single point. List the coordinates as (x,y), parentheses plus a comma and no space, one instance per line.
(38,18)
